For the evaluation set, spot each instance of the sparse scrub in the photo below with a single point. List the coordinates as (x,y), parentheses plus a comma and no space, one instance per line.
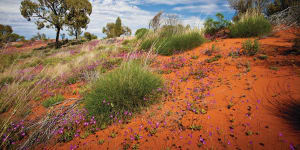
(252,24)
(53,100)
(121,92)
(6,60)
(262,57)
(251,47)
(212,50)
(216,58)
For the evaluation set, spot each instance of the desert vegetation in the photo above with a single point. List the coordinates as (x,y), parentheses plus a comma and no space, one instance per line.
(232,84)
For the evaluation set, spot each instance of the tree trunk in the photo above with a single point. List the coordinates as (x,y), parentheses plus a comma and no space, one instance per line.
(76,34)
(57,37)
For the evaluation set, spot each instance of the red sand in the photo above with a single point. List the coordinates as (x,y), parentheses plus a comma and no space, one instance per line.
(249,92)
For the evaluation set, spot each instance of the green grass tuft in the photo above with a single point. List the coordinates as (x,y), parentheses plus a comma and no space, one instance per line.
(251,47)
(169,42)
(52,100)
(251,26)
(121,92)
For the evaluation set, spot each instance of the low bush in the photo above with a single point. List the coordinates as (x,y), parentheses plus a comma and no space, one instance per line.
(146,44)
(251,25)
(262,57)
(72,80)
(89,36)
(121,92)
(140,33)
(53,100)
(6,60)
(216,58)
(6,80)
(19,45)
(250,47)
(211,26)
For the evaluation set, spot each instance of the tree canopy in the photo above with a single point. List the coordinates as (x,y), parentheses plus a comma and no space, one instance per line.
(57,14)
(7,35)
(78,19)
(116,29)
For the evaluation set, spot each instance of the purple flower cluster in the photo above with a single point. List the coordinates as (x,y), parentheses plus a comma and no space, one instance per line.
(13,134)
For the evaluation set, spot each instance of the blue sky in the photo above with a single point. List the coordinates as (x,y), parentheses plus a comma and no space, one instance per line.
(134,13)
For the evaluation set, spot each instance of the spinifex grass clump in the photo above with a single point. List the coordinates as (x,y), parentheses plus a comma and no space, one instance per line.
(170,40)
(119,93)
(180,43)
(251,24)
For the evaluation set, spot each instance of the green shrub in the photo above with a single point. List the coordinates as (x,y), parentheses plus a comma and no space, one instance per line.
(19,45)
(89,36)
(211,26)
(124,90)
(180,43)
(145,45)
(6,80)
(140,33)
(216,58)
(53,100)
(6,60)
(262,57)
(125,42)
(72,80)
(251,26)
(250,47)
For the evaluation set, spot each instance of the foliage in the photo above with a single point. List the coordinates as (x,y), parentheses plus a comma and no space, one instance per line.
(212,26)
(216,58)
(251,25)
(262,57)
(72,80)
(242,6)
(7,35)
(155,22)
(78,16)
(6,60)
(39,37)
(279,5)
(121,92)
(251,47)
(180,43)
(89,36)
(170,40)
(141,32)
(55,13)
(6,80)
(116,29)
(52,100)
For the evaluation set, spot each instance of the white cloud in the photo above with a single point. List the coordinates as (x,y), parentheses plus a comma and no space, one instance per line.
(194,21)
(210,8)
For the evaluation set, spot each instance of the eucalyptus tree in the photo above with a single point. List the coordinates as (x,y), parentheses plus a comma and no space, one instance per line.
(56,13)
(78,19)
